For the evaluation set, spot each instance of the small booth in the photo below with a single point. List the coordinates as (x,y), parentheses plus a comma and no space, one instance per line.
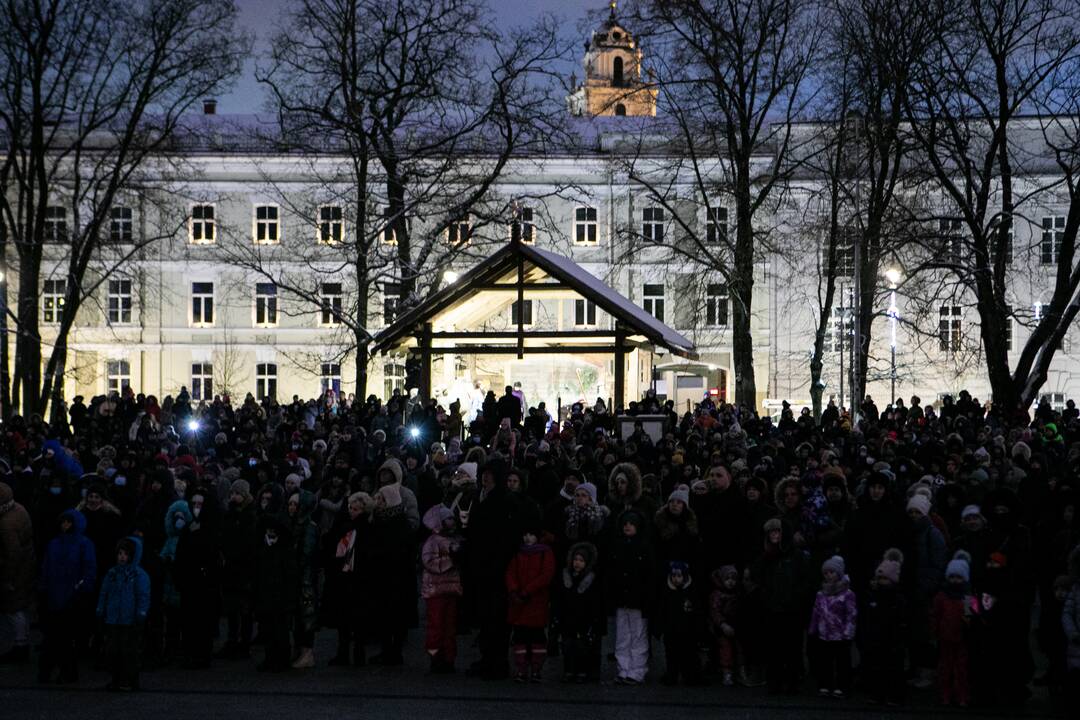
(530,316)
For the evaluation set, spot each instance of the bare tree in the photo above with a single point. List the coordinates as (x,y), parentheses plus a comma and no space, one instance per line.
(992,63)
(92,90)
(421,104)
(732,75)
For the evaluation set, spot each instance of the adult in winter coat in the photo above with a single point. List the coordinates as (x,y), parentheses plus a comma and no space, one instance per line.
(347,595)
(782,573)
(876,525)
(104,524)
(197,573)
(392,473)
(393,579)
(928,559)
(238,544)
(304,536)
(274,587)
(1070,621)
(17,567)
(625,493)
(68,581)
(676,535)
(721,513)
(585,518)
(492,538)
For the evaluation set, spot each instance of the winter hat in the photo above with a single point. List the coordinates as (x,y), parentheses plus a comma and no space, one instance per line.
(293,480)
(469,468)
(680,566)
(970,510)
(241,488)
(920,503)
(1021,449)
(699,485)
(391,494)
(890,566)
(772,524)
(682,492)
(835,563)
(960,565)
(436,516)
(981,456)
(319,445)
(589,488)
(727,571)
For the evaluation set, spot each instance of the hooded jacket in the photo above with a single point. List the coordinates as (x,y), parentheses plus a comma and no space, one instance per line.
(579,600)
(442,573)
(70,565)
(408,497)
(125,591)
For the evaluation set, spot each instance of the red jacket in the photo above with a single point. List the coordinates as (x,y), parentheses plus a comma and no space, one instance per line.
(528,582)
(949,624)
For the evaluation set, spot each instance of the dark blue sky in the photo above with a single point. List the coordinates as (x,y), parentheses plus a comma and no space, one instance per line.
(263,16)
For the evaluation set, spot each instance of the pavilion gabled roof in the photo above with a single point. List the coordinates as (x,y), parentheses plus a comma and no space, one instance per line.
(539,265)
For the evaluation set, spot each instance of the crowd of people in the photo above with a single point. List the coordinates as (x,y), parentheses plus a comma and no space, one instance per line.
(920,546)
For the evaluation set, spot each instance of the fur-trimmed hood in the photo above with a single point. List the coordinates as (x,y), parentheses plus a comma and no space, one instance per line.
(778,491)
(667,526)
(633,481)
(588,576)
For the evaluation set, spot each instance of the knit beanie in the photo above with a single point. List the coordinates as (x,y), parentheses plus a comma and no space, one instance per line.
(835,563)
(391,494)
(772,524)
(970,510)
(921,504)
(960,565)
(890,566)
(678,566)
(682,492)
(241,488)
(589,488)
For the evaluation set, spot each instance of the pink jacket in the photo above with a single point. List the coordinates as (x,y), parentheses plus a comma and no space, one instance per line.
(441,573)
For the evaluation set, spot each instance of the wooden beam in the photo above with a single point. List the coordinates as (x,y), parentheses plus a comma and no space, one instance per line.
(513,350)
(620,368)
(510,335)
(425,363)
(512,287)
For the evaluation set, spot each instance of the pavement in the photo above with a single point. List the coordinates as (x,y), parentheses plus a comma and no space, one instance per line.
(233,689)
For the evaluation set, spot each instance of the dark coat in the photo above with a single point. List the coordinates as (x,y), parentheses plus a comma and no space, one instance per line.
(17,564)
(238,548)
(69,570)
(392,569)
(722,518)
(630,575)
(528,583)
(681,615)
(578,603)
(785,581)
(276,577)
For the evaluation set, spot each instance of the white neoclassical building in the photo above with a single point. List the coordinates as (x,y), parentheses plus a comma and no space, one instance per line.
(181,312)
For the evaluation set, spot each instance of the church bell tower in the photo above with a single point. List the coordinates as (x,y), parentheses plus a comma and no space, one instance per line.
(613,84)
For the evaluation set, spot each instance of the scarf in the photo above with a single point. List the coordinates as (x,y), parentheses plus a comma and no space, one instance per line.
(345,550)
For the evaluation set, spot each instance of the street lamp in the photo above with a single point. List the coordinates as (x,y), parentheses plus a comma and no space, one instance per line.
(893,276)
(450,277)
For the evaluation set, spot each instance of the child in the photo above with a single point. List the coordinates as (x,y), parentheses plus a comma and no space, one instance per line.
(750,632)
(681,625)
(528,583)
(122,606)
(1070,621)
(630,589)
(441,587)
(580,615)
(951,618)
(885,627)
(832,622)
(723,616)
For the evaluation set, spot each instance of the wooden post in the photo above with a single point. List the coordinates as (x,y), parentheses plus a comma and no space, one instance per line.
(620,369)
(425,363)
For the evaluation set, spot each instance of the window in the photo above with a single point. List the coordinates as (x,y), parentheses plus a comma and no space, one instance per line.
(652,224)
(202,224)
(952,238)
(652,299)
(393,377)
(997,238)
(620,109)
(331,224)
(585,225)
(266,305)
(117,376)
(267,224)
(119,302)
(526,316)
(1056,400)
(202,381)
(844,260)
(841,330)
(391,300)
(330,377)
(524,226)
(55,224)
(202,303)
(584,313)
(950,327)
(617,78)
(52,301)
(459,231)
(1053,232)
(120,225)
(330,304)
(716,227)
(1064,345)
(716,305)
(265,381)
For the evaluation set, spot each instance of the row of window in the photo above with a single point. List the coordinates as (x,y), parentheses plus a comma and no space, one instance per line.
(118,378)
(652,301)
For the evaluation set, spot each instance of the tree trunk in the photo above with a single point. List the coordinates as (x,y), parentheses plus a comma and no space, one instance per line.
(28,342)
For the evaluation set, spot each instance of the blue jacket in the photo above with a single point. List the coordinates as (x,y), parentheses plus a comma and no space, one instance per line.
(70,565)
(125,592)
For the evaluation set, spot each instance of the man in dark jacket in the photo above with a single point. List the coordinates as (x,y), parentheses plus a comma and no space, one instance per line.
(275,582)
(510,407)
(238,545)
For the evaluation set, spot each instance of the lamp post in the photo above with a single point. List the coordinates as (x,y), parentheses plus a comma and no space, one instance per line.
(893,276)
